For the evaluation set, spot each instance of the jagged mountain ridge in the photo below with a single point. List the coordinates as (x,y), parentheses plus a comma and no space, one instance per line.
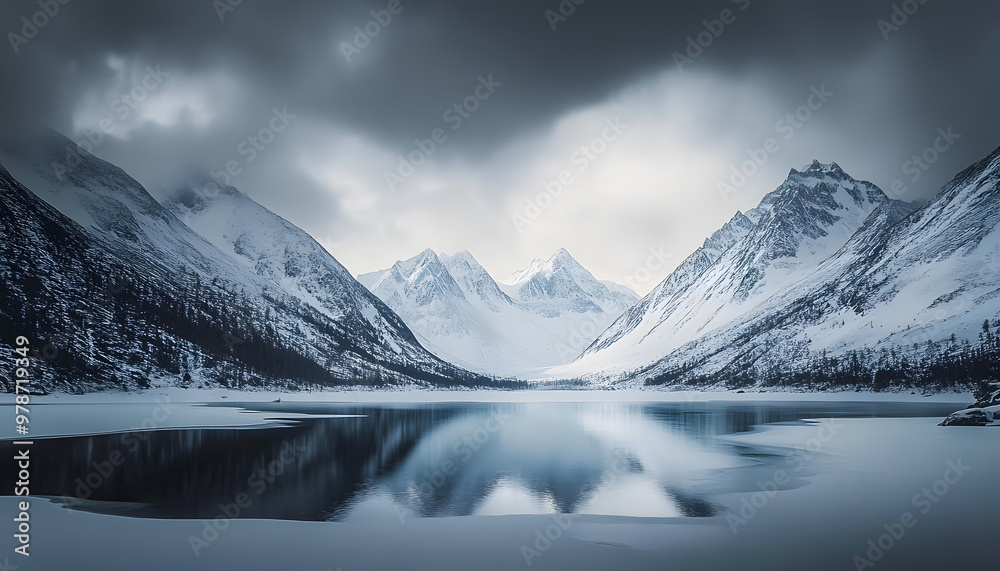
(546,314)
(904,276)
(682,277)
(806,219)
(218,286)
(561,283)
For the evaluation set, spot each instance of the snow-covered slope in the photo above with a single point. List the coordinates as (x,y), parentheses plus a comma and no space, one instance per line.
(544,316)
(271,304)
(560,284)
(271,247)
(651,307)
(824,265)
(934,274)
(115,209)
(749,260)
(905,280)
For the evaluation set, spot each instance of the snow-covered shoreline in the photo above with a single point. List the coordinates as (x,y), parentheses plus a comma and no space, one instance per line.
(866,475)
(404,395)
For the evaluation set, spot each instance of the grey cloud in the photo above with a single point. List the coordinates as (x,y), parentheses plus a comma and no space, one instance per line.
(937,70)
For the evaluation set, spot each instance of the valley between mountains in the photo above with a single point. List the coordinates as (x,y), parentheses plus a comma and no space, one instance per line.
(826,283)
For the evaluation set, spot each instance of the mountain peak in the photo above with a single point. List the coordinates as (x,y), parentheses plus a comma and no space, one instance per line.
(406,268)
(729,233)
(554,310)
(818,183)
(463,257)
(562,257)
(197,194)
(816,168)
(520,276)
(462,263)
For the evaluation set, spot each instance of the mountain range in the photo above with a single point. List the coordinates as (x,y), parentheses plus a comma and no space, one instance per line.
(544,315)
(826,282)
(118,290)
(825,270)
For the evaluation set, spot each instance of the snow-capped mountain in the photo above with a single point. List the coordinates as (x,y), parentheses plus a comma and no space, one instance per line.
(269,306)
(824,265)
(545,315)
(560,283)
(271,247)
(681,278)
(748,260)
(936,272)
(827,281)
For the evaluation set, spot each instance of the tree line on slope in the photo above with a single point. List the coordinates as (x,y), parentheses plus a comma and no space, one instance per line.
(940,365)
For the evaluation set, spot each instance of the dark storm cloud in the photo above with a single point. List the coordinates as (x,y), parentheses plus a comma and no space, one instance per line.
(431,55)
(937,70)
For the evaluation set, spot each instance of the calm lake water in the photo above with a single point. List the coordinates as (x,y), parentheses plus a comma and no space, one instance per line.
(365,463)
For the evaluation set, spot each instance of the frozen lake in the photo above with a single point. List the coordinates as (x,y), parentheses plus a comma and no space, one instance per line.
(690,484)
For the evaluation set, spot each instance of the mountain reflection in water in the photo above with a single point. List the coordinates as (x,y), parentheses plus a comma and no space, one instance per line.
(432,460)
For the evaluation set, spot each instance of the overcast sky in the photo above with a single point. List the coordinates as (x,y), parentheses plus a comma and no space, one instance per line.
(181,85)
